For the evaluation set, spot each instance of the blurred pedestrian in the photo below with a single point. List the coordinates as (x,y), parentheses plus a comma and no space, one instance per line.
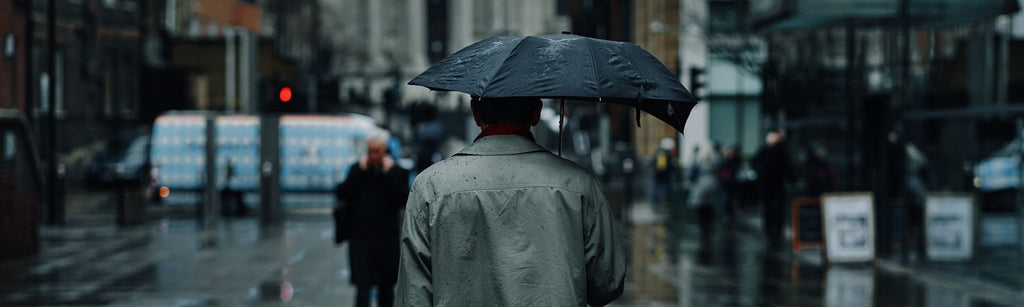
(727,173)
(230,199)
(819,175)
(918,175)
(774,169)
(704,190)
(665,170)
(373,193)
(505,222)
(430,135)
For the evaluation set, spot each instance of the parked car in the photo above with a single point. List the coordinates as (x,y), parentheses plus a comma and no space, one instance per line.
(125,160)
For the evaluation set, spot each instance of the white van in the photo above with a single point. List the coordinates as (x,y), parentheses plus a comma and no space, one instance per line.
(315,154)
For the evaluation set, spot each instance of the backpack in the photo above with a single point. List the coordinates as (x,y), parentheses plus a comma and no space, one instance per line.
(661,161)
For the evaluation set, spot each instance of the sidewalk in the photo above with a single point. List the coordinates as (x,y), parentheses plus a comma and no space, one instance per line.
(168,260)
(995,273)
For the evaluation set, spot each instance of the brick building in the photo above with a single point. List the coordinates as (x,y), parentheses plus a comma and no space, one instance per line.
(12,55)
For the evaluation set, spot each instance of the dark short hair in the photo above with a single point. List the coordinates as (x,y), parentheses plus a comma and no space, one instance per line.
(516,110)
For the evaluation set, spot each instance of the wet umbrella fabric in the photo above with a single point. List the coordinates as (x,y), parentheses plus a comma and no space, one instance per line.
(563,66)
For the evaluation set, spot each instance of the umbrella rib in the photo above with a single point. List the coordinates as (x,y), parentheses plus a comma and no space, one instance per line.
(499,67)
(593,66)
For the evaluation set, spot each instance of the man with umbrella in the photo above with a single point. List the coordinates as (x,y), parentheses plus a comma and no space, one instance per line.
(506,222)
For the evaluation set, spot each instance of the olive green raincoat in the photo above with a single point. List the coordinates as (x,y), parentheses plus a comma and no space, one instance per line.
(507,223)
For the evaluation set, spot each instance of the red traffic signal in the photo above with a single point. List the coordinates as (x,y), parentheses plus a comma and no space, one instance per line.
(285,94)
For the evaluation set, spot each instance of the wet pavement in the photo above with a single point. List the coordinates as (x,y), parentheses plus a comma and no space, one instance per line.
(170,261)
(671,267)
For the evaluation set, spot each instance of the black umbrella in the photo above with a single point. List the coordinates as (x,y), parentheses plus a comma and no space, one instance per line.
(563,66)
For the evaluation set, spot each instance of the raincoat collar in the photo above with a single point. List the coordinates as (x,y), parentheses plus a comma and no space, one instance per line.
(502,144)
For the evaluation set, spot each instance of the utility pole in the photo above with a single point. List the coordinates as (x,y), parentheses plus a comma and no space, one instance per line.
(56,211)
(230,70)
(850,101)
(211,197)
(29,38)
(314,80)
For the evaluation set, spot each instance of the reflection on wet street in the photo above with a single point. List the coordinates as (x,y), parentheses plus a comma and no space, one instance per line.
(171,262)
(671,267)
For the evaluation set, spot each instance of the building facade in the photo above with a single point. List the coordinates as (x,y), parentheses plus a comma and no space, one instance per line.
(13,55)
(944,86)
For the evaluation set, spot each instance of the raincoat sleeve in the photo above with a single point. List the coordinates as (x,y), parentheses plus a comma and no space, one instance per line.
(606,264)
(415,280)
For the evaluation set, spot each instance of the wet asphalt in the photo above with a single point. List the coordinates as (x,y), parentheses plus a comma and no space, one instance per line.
(671,267)
(171,261)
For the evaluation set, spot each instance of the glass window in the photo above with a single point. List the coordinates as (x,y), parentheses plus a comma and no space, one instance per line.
(10,145)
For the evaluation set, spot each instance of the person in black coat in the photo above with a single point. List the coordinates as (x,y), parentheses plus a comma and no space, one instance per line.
(727,173)
(819,175)
(371,196)
(774,170)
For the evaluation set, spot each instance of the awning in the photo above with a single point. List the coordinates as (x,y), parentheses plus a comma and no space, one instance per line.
(807,14)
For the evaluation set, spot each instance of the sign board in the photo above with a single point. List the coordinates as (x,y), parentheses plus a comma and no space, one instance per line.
(949,226)
(806,217)
(849,223)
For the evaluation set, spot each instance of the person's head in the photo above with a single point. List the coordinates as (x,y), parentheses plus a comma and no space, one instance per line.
(706,152)
(667,144)
(896,133)
(377,147)
(516,111)
(772,139)
(731,151)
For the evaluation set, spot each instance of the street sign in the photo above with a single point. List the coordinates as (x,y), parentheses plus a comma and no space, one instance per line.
(949,220)
(849,221)
(806,222)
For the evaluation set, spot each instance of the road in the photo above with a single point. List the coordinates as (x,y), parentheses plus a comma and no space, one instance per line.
(171,261)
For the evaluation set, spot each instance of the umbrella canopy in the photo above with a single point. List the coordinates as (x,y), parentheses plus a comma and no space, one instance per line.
(563,66)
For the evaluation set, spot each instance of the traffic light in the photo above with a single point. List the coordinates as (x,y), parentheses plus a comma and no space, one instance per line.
(697,83)
(282,97)
(284,94)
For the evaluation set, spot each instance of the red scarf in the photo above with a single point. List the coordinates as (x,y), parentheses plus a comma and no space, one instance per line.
(507,129)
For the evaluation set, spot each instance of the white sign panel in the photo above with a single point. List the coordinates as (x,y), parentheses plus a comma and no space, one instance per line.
(849,222)
(949,226)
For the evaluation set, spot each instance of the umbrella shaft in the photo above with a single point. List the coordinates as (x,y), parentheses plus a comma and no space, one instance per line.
(561,118)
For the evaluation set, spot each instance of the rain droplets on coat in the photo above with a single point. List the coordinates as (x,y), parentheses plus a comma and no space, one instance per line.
(507,223)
